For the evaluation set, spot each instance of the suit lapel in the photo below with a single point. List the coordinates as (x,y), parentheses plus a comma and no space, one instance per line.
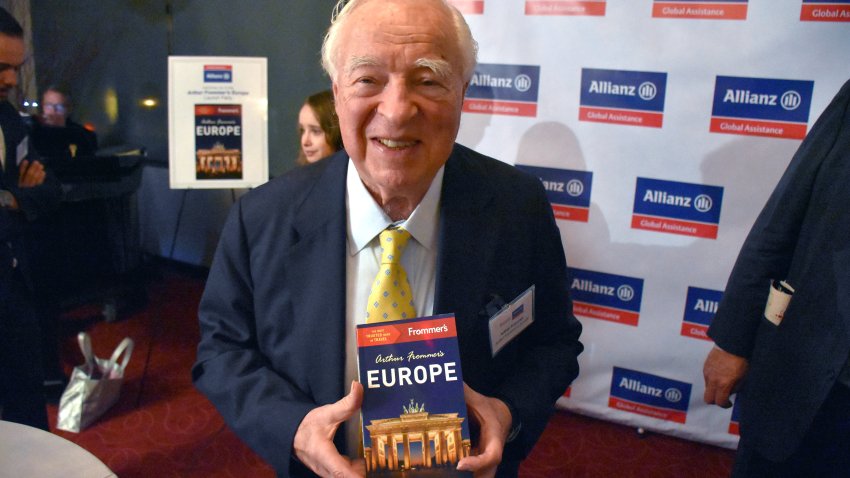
(463,244)
(315,270)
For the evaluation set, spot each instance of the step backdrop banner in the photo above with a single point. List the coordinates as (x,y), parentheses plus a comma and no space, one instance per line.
(658,128)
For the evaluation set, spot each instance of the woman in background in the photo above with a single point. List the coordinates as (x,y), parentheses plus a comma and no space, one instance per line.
(318,127)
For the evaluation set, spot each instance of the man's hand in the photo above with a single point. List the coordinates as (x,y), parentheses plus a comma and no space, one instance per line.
(722,372)
(313,442)
(30,174)
(494,421)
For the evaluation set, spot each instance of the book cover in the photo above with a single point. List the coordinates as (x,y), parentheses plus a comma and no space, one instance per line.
(218,141)
(414,415)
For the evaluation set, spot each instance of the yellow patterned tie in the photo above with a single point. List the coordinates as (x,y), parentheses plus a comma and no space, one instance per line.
(390,298)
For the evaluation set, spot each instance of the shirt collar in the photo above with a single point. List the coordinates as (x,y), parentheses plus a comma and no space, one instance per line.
(366,219)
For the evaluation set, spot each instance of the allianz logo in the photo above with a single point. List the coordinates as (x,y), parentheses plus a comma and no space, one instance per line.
(672,394)
(705,305)
(645,91)
(521,82)
(624,292)
(573,187)
(702,203)
(789,101)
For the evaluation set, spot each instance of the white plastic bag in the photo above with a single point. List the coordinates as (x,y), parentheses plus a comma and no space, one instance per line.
(93,387)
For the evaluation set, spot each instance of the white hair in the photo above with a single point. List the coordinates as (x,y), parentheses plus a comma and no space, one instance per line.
(330,47)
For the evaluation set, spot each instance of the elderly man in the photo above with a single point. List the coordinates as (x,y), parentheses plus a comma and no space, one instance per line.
(26,192)
(292,273)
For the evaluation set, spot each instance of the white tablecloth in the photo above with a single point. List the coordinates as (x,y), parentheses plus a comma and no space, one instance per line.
(28,451)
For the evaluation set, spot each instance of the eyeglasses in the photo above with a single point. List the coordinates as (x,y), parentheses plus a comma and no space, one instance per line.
(57,107)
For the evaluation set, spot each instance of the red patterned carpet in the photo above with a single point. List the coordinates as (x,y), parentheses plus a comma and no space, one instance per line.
(162,427)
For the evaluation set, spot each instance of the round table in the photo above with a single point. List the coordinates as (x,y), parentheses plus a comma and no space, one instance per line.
(28,451)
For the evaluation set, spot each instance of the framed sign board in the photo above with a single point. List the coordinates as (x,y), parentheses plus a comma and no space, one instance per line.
(217,122)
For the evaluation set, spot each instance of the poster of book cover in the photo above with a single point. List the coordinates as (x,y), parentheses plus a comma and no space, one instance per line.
(217,122)
(414,415)
(218,141)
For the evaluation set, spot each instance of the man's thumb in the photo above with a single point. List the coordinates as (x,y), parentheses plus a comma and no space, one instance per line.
(350,404)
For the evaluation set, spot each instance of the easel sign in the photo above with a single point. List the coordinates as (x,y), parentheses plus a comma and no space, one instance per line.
(217,122)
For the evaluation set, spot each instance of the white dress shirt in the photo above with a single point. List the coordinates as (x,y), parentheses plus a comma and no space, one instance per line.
(365,221)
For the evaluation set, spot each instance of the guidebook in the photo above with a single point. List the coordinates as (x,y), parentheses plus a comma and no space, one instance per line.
(218,141)
(414,415)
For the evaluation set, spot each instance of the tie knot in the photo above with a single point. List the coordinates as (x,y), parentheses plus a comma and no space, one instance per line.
(393,241)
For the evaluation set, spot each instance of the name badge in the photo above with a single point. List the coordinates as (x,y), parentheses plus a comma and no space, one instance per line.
(777,301)
(512,319)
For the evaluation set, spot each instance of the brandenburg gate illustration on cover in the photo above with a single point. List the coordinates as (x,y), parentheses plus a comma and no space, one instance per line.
(218,161)
(438,432)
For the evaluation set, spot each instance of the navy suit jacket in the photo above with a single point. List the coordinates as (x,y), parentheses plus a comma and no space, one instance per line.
(803,236)
(273,312)
(33,202)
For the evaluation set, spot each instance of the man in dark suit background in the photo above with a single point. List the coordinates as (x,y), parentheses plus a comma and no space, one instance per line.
(296,258)
(26,193)
(56,137)
(793,373)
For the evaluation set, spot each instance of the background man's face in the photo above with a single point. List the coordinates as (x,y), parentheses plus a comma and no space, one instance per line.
(54,108)
(11,58)
(399,93)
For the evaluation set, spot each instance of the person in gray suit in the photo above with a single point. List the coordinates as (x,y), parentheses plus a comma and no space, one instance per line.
(291,275)
(790,362)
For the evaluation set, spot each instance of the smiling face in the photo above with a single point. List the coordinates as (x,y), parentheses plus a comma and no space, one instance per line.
(399,93)
(314,142)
